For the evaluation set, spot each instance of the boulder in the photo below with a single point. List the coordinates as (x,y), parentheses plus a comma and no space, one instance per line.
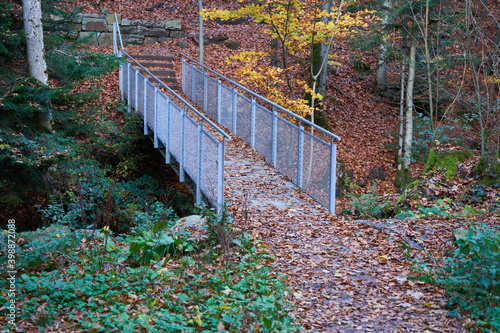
(448,160)
(191,221)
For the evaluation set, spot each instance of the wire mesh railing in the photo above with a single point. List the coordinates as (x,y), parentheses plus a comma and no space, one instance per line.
(274,132)
(189,138)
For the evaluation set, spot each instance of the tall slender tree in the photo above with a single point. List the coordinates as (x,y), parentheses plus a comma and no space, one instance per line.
(37,67)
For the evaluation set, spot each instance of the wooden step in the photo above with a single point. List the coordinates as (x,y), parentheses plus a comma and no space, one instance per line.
(160,73)
(158,64)
(168,57)
(165,80)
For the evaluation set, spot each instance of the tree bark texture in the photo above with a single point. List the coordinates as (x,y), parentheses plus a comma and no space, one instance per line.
(37,67)
(409,105)
(381,76)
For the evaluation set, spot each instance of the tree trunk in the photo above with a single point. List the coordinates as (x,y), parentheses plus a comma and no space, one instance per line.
(401,118)
(381,77)
(409,106)
(37,67)
(319,52)
(200,25)
(274,53)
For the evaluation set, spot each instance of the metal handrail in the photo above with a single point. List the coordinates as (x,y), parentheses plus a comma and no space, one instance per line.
(299,118)
(227,136)
(119,33)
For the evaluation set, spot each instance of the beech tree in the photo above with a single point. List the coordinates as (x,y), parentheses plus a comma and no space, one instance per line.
(37,67)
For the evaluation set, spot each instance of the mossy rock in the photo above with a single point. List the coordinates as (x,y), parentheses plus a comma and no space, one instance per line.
(448,160)
(489,171)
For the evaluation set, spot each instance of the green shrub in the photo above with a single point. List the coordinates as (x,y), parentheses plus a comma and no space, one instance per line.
(471,275)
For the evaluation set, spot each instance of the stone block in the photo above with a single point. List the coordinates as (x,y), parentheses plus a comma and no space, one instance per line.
(156,24)
(135,40)
(75,26)
(89,38)
(128,30)
(164,39)
(175,34)
(159,32)
(137,22)
(142,30)
(173,25)
(94,24)
(150,40)
(101,16)
(110,18)
(105,39)
(126,22)
(77,18)
(72,34)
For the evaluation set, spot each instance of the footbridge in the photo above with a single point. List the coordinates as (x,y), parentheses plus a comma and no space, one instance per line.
(197,131)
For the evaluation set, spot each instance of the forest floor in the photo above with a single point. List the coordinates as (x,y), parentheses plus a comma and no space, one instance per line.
(345,275)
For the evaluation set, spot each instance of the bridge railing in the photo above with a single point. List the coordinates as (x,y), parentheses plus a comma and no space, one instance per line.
(274,132)
(188,136)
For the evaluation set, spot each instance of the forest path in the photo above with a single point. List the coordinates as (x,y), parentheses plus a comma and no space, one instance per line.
(344,276)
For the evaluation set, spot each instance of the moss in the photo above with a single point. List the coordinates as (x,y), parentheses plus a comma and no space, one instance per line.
(415,183)
(403,178)
(489,171)
(448,160)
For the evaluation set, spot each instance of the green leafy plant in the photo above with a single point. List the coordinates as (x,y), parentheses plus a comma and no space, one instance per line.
(365,205)
(471,275)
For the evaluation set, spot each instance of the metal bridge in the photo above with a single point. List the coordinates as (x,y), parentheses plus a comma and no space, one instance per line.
(196,145)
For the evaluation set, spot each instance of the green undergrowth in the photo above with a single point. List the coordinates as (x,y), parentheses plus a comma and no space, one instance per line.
(471,276)
(151,280)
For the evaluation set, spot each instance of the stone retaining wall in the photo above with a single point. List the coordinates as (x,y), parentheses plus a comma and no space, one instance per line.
(97,29)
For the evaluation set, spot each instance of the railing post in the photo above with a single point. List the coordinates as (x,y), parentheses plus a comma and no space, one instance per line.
(168,159)
(275,137)
(193,84)
(136,77)
(156,112)
(219,101)
(205,91)
(300,156)
(220,176)
(145,105)
(115,47)
(183,75)
(200,165)
(235,110)
(181,158)
(129,108)
(333,175)
(252,124)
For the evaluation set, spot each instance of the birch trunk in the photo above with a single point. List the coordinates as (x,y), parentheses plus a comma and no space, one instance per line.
(37,67)
(409,106)
(401,118)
